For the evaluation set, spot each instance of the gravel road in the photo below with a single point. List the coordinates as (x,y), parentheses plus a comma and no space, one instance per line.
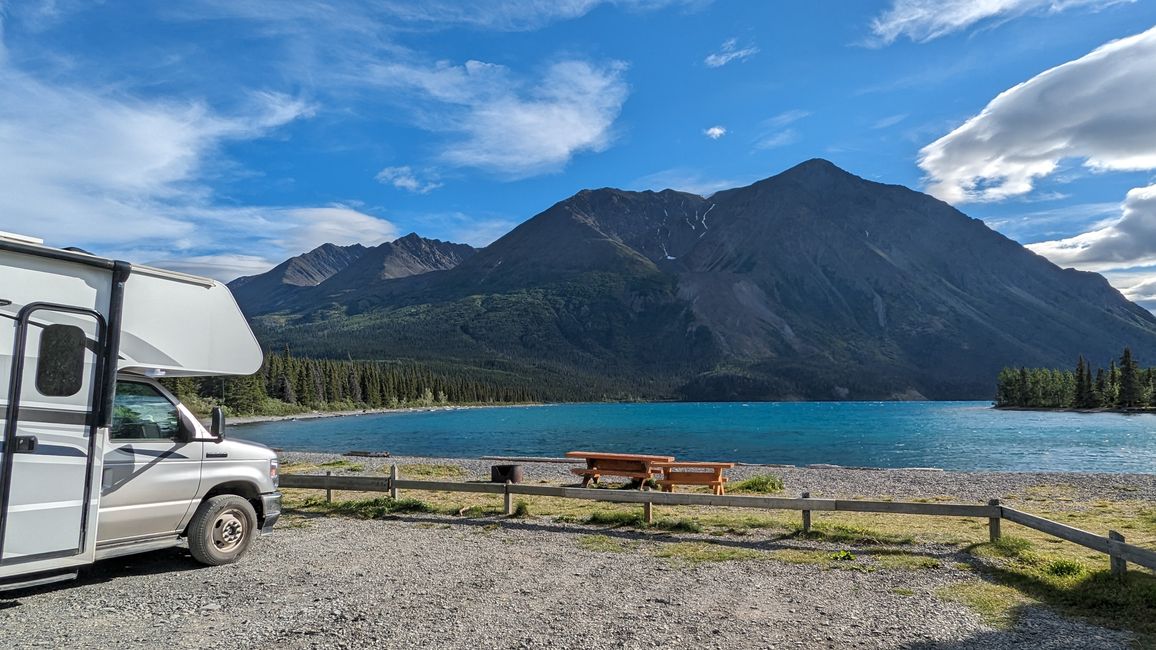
(436,582)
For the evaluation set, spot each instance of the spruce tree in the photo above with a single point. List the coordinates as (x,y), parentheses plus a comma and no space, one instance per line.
(1129,381)
(1100,392)
(1083,384)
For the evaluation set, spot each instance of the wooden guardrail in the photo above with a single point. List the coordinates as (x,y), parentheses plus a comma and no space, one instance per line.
(1119,552)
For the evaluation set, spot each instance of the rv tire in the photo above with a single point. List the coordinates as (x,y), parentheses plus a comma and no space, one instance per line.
(222,529)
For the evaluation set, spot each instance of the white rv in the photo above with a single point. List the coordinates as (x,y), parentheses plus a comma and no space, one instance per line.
(98,459)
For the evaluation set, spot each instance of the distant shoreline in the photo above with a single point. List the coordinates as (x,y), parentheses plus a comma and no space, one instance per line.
(1045,409)
(317,415)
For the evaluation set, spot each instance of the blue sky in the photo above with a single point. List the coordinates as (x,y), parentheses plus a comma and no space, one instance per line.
(221,136)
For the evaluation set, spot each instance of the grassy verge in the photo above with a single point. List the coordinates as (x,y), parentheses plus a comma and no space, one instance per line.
(1063,580)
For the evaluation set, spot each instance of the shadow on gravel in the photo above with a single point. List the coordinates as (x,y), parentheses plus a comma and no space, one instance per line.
(170,560)
(793,540)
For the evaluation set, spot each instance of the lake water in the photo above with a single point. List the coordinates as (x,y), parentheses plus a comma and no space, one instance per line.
(948,435)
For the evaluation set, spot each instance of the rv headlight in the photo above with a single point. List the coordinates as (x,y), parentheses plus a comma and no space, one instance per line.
(274,467)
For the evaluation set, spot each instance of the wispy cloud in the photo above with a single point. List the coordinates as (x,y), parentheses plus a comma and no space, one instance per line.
(404,178)
(510,125)
(682,179)
(730,51)
(510,15)
(785,118)
(778,139)
(890,120)
(118,174)
(926,20)
(774,132)
(715,132)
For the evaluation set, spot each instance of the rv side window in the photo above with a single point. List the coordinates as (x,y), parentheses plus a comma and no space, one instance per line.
(141,412)
(60,364)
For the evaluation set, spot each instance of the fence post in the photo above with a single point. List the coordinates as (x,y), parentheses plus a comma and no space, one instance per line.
(328,491)
(993,530)
(1119,565)
(509,500)
(393,482)
(806,515)
(648,512)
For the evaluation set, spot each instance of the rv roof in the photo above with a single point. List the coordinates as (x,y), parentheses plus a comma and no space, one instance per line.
(24,239)
(36,243)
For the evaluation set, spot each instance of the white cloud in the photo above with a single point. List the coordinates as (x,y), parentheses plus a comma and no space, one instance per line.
(512,126)
(123,176)
(1128,241)
(1097,108)
(926,20)
(683,180)
(223,267)
(730,51)
(715,132)
(404,178)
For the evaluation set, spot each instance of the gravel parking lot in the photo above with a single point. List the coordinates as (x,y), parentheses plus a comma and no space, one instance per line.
(443,582)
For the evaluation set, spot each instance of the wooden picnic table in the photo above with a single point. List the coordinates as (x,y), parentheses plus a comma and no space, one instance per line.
(693,473)
(639,467)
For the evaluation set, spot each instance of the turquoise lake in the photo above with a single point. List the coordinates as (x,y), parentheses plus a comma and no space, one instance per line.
(948,435)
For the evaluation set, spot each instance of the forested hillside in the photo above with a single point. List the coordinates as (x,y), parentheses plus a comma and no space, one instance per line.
(287,385)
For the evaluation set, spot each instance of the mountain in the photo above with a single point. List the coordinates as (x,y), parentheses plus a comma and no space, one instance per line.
(812,284)
(338,270)
(261,292)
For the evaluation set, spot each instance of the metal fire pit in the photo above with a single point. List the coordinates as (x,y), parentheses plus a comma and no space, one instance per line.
(503,473)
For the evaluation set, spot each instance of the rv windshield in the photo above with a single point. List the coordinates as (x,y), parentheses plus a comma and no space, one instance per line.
(142,412)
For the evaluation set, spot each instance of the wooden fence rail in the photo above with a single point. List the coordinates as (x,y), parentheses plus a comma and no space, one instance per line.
(1113,545)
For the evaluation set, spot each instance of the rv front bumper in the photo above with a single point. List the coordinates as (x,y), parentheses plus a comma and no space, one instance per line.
(271,506)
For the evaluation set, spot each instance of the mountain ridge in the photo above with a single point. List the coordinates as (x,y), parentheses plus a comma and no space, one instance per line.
(813,283)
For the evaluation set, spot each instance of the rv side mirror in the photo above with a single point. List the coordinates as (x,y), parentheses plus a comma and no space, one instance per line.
(217,427)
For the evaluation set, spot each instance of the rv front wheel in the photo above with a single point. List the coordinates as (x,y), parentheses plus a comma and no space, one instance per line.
(222,529)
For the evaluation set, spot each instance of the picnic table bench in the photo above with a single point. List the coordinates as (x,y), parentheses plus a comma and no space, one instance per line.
(639,467)
(692,473)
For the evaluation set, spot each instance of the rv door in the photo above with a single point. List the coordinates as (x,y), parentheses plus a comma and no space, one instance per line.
(48,436)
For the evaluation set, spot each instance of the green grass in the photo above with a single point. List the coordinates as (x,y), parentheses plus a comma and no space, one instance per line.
(906,561)
(615,518)
(762,484)
(701,552)
(998,605)
(1070,585)
(634,519)
(858,535)
(521,509)
(1065,567)
(346,465)
(425,470)
(378,508)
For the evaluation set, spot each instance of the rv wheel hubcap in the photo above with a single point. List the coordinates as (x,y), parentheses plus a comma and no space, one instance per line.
(228,531)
